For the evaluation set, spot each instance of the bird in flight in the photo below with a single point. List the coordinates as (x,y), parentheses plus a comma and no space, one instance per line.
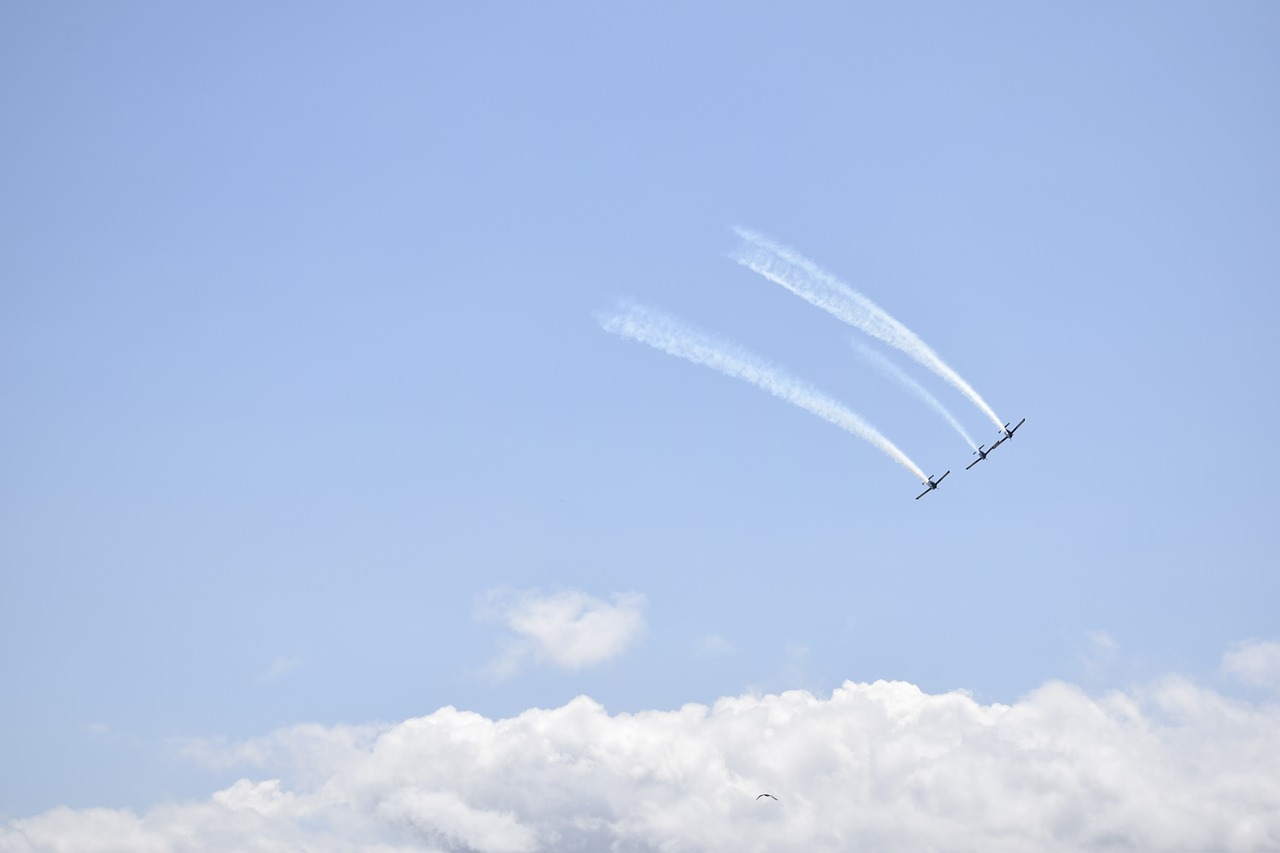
(770,796)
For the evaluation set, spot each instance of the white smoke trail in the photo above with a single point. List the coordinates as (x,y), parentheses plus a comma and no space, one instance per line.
(783,265)
(891,371)
(668,334)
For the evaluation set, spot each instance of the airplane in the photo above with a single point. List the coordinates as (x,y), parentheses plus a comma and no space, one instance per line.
(1008,433)
(981,454)
(770,796)
(933,484)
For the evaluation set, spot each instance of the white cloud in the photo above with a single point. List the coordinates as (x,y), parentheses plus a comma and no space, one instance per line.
(882,766)
(1097,653)
(446,816)
(713,645)
(1255,662)
(279,667)
(568,629)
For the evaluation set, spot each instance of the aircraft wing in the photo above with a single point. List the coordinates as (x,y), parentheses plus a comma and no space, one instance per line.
(940,479)
(974,462)
(922,494)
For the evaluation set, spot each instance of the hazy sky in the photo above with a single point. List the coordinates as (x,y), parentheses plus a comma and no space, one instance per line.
(311,432)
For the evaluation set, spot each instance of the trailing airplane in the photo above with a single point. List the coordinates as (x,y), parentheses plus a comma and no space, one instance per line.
(933,484)
(981,454)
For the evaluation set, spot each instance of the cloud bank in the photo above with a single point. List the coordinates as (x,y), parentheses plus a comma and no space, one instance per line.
(569,629)
(882,766)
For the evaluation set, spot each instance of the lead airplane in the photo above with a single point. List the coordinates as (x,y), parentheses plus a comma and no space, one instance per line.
(1008,433)
(981,454)
(932,484)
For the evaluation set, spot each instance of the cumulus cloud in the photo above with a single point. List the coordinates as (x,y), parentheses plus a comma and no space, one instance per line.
(881,766)
(568,629)
(1254,662)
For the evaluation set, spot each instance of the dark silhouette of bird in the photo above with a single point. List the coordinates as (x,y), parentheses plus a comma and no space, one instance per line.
(770,796)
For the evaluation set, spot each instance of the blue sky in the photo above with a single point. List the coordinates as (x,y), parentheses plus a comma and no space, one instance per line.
(310,418)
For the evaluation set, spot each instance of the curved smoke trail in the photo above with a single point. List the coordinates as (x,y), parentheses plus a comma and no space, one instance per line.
(783,265)
(891,371)
(668,334)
